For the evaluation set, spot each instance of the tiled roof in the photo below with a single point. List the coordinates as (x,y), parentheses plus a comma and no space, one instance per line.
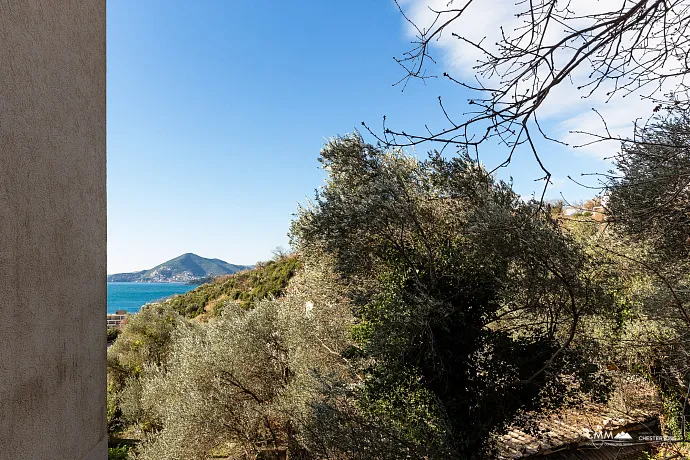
(634,402)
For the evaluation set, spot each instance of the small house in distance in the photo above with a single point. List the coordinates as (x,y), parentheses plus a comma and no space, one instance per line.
(118,319)
(594,209)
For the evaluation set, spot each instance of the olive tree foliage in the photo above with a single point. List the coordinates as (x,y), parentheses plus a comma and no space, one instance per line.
(650,190)
(468,300)
(247,383)
(212,391)
(603,50)
(145,339)
(630,332)
(649,206)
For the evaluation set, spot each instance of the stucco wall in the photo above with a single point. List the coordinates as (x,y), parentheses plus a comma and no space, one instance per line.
(52,230)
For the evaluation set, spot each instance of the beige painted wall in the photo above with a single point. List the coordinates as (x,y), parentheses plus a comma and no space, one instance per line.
(52,229)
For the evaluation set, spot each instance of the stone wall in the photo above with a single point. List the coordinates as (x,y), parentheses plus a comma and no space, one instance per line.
(52,230)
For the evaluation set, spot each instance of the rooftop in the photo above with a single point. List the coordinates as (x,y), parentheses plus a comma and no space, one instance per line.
(633,406)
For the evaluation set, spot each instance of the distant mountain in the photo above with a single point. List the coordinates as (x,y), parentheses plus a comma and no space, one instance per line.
(182,269)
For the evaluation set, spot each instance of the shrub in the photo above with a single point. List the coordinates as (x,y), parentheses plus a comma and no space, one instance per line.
(118,453)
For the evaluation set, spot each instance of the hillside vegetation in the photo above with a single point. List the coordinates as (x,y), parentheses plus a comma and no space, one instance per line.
(431,309)
(243,288)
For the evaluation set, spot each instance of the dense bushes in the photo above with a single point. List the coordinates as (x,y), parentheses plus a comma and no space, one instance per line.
(467,299)
(432,305)
(649,209)
(112,334)
(244,383)
(143,342)
(118,453)
(430,308)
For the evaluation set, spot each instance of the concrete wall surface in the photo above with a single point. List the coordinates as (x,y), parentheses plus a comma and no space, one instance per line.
(52,230)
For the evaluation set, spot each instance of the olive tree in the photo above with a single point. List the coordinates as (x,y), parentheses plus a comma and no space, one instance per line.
(467,299)
(247,383)
(649,191)
(649,206)
(144,340)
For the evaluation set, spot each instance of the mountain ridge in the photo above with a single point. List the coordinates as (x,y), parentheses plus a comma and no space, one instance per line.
(181,269)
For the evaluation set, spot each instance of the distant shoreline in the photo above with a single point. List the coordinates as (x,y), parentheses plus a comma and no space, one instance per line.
(151,282)
(197,282)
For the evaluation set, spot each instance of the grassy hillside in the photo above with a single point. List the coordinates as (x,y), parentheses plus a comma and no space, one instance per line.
(246,287)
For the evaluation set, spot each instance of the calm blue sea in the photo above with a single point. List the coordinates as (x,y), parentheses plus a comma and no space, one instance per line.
(131,296)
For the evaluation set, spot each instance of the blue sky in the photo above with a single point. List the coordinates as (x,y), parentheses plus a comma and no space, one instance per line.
(217,111)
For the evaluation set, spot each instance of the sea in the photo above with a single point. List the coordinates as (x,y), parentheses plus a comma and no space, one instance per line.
(132,296)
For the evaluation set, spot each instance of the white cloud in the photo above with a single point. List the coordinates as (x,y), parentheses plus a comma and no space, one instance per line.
(565,109)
